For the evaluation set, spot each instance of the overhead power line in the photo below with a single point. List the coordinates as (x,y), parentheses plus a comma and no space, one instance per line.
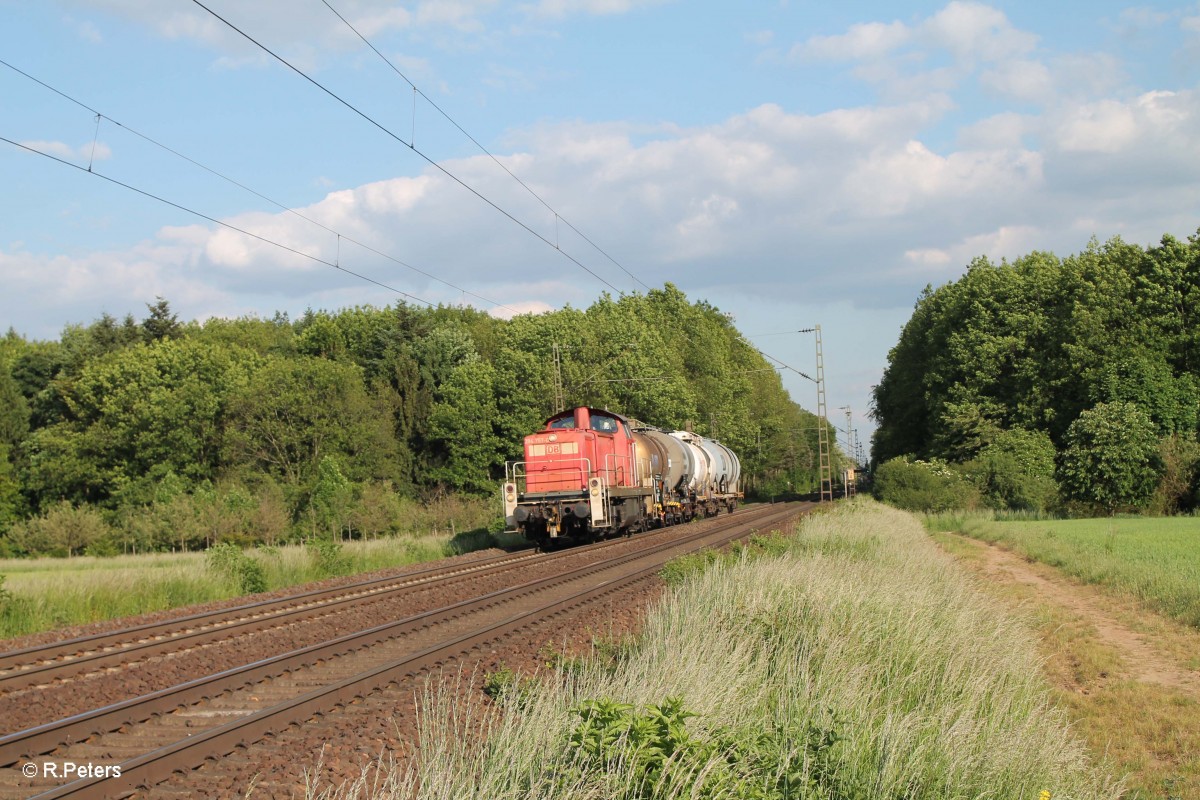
(557,216)
(411,145)
(341,236)
(214,220)
(777,361)
(673,377)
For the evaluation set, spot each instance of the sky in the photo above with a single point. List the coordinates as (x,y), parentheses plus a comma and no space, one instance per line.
(793,163)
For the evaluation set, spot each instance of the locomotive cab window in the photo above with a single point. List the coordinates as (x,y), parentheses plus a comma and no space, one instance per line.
(563,422)
(603,423)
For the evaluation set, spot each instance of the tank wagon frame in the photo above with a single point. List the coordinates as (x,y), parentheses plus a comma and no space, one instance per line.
(590,474)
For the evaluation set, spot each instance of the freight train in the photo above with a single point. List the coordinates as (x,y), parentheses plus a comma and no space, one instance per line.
(590,474)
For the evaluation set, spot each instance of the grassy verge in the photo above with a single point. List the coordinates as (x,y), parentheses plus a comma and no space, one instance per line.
(47,593)
(1155,560)
(854,660)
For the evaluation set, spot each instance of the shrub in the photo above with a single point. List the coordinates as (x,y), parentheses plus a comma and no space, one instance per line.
(923,486)
(63,530)
(1110,459)
(229,561)
(327,557)
(1176,490)
(1015,471)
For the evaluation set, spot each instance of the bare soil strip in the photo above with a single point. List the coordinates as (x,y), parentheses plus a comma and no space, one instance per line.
(1128,677)
(1145,660)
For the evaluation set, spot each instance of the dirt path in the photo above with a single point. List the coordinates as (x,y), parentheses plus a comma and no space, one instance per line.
(1145,662)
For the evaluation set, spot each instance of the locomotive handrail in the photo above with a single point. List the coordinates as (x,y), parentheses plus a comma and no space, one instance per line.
(581,465)
(611,466)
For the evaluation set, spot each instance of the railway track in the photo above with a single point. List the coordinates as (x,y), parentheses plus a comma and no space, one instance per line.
(164,732)
(97,654)
(56,661)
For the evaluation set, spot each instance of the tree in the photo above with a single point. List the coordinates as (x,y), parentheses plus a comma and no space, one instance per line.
(1110,458)
(10,495)
(292,413)
(1176,491)
(64,529)
(331,499)
(929,486)
(14,410)
(468,455)
(136,414)
(162,323)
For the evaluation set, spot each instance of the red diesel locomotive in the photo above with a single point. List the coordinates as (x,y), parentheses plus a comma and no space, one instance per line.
(591,473)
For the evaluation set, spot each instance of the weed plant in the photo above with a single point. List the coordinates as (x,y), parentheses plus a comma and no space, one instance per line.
(854,661)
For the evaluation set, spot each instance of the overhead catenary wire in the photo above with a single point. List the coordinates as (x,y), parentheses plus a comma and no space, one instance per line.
(781,363)
(672,377)
(145,137)
(214,220)
(411,145)
(418,91)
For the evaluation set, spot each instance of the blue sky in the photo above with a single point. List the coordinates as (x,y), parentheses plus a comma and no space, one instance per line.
(793,163)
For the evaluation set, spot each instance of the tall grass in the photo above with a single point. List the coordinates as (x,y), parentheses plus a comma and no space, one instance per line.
(1153,559)
(860,663)
(47,593)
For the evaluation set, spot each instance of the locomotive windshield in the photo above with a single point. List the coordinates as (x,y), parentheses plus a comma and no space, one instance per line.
(563,422)
(603,423)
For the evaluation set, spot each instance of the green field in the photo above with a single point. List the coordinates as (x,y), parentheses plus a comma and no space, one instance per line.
(46,593)
(1156,560)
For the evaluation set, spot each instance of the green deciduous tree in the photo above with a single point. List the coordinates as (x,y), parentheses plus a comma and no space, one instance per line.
(1110,458)
(294,412)
(467,454)
(135,415)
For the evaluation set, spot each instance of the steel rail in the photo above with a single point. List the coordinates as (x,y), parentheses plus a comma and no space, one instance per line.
(13,661)
(42,664)
(43,739)
(143,772)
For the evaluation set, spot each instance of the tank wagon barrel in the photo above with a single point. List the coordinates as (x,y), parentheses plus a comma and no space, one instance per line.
(589,474)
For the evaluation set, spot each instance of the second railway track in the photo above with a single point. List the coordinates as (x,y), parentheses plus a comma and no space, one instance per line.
(43,665)
(176,728)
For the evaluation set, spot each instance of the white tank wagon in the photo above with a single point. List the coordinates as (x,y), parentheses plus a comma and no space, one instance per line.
(690,475)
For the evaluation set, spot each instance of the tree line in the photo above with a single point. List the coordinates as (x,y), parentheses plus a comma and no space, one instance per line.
(1050,383)
(159,434)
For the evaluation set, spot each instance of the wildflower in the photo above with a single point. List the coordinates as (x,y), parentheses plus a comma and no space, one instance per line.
(1044,794)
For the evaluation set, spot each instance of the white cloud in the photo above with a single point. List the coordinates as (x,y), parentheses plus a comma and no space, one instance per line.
(1004,131)
(971,32)
(83,154)
(1136,20)
(865,41)
(761,38)
(906,60)
(768,200)
(1107,126)
(947,262)
(305,33)
(305,30)
(976,32)
(1020,79)
(562,8)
